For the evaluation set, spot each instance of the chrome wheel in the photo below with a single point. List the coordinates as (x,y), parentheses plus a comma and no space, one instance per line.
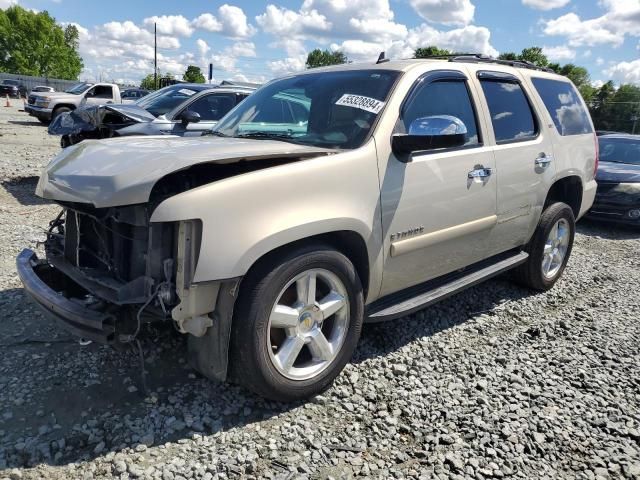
(308,324)
(555,248)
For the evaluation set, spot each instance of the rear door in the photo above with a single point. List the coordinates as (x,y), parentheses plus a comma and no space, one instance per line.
(523,153)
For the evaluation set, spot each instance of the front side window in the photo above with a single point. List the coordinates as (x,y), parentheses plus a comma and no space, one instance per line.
(563,103)
(511,113)
(324,109)
(443,98)
(213,107)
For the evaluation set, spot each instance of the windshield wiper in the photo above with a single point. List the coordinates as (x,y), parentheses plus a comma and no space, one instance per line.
(266,135)
(216,134)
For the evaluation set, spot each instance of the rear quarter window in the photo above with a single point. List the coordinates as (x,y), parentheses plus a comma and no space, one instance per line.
(564,105)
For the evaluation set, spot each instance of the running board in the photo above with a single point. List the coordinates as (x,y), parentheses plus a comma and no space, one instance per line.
(432,292)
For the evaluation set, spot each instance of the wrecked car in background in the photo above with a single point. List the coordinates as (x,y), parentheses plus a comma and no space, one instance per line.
(618,177)
(181,109)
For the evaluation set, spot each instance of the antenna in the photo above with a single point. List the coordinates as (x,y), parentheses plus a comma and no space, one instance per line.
(382,58)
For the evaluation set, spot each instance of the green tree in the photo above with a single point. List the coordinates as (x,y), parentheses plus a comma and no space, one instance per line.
(431,51)
(324,58)
(193,75)
(508,56)
(148,82)
(616,110)
(34,44)
(534,55)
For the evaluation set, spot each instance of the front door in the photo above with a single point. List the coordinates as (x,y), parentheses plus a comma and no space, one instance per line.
(439,209)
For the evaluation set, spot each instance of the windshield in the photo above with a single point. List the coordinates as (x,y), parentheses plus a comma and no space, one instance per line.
(324,109)
(78,88)
(620,150)
(167,98)
(11,82)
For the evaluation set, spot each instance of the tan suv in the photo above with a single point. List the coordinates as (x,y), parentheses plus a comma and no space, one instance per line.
(326,199)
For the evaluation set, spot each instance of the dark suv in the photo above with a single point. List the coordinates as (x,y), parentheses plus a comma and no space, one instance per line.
(13,88)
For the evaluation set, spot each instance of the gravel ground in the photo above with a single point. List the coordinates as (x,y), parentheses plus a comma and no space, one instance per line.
(497,382)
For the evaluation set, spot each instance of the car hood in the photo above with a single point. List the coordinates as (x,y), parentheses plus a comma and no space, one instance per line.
(123,171)
(613,172)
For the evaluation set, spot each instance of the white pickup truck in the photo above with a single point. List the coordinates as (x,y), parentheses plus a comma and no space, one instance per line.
(46,106)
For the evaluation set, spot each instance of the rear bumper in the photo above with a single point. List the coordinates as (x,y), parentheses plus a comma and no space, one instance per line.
(46,286)
(588,197)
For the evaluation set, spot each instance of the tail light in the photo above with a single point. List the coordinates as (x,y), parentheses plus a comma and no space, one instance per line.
(595,168)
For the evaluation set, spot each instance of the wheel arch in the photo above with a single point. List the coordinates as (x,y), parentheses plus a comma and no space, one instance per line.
(64,105)
(568,190)
(348,242)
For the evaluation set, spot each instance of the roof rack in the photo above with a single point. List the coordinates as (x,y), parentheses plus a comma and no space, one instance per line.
(481,58)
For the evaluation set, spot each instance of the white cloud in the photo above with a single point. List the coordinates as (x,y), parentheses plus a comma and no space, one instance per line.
(203,47)
(621,18)
(287,65)
(243,49)
(235,22)
(561,53)
(284,22)
(170,25)
(231,21)
(207,22)
(545,4)
(446,12)
(7,3)
(469,39)
(330,20)
(625,72)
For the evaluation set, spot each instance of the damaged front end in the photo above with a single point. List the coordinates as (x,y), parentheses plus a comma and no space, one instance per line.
(109,271)
(96,122)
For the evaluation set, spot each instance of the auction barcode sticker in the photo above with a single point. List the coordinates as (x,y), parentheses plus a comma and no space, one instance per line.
(363,103)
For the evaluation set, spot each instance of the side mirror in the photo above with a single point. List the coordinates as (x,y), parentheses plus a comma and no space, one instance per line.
(430,133)
(188,117)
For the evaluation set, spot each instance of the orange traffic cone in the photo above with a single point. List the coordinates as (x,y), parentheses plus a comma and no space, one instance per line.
(8,104)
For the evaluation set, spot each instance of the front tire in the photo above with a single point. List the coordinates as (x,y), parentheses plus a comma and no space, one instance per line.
(297,324)
(549,248)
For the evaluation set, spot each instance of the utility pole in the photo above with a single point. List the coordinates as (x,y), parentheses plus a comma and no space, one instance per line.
(155,56)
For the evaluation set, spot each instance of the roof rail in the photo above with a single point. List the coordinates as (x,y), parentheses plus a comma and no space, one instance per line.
(481,58)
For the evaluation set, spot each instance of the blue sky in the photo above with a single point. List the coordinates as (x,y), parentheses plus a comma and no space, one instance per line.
(256,41)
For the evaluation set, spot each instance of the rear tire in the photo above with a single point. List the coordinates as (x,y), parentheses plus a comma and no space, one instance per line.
(549,248)
(288,344)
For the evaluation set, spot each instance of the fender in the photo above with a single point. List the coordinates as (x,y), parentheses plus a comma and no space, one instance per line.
(246,216)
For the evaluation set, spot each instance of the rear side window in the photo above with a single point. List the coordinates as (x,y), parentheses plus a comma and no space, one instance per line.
(564,105)
(511,113)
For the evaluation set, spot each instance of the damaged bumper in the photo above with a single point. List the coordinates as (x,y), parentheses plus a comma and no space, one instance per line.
(50,288)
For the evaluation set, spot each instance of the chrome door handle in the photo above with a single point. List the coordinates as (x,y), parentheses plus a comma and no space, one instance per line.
(544,160)
(480,173)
